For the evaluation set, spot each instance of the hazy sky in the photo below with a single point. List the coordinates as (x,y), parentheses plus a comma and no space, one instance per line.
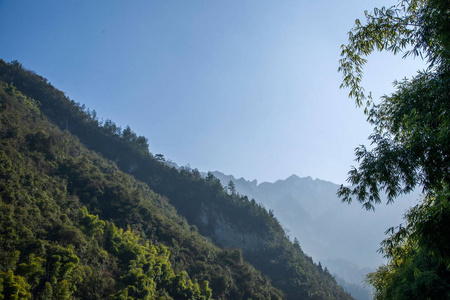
(249,88)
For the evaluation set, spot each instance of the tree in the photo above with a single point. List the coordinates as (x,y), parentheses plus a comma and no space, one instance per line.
(231,187)
(411,138)
(160,157)
(411,126)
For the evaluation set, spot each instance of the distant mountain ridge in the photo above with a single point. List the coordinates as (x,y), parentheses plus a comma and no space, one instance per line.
(298,200)
(343,237)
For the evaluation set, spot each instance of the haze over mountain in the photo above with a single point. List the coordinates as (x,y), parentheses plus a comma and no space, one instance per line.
(343,237)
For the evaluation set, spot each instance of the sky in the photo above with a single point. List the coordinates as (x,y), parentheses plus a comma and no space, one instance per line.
(248,88)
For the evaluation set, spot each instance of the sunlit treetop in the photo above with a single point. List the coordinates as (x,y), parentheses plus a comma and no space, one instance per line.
(411,134)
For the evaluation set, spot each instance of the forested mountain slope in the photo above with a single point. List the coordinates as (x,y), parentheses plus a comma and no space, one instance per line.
(53,247)
(105,233)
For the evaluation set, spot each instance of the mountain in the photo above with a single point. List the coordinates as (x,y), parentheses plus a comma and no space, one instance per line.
(345,238)
(87,212)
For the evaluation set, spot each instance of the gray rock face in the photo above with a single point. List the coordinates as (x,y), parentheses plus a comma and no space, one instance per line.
(228,233)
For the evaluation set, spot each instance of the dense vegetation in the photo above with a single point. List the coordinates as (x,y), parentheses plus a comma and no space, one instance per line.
(411,145)
(52,245)
(75,224)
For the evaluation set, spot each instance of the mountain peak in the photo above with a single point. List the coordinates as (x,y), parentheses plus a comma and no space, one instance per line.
(294,177)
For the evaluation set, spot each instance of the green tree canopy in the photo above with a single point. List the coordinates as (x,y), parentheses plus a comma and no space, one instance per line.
(411,136)
(410,145)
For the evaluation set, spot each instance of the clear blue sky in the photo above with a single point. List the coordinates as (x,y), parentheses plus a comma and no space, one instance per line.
(249,88)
